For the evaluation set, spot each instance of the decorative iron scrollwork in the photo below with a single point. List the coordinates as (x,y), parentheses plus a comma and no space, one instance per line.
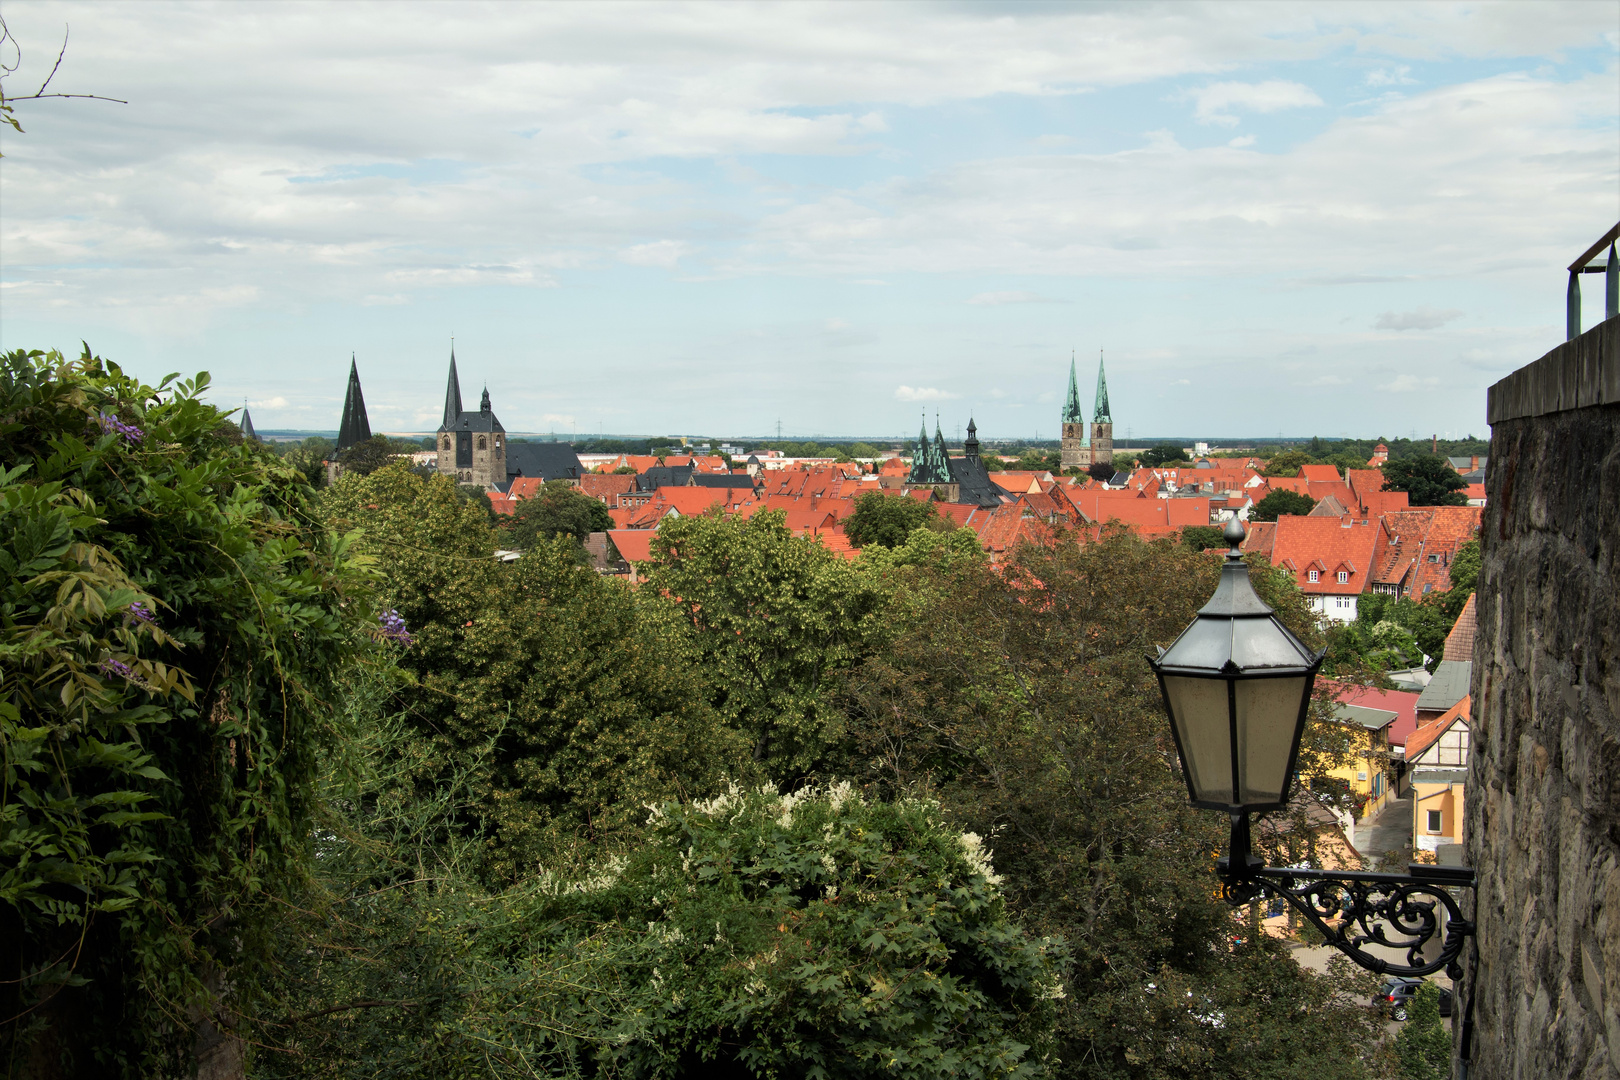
(1353,909)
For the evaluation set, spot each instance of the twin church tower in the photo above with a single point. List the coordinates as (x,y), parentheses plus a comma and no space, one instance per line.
(1080,450)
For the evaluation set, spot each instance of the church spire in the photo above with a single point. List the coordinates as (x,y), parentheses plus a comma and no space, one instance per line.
(1101,408)
(1072,413)
(355,427)
(452,395)
(970,445)
(247,424)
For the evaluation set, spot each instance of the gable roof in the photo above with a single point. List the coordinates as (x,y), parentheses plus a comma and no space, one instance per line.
(634,545)
(1371,719)
(1337,543)
(1425,736)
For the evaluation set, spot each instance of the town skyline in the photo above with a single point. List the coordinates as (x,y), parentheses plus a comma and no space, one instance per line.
(716,218)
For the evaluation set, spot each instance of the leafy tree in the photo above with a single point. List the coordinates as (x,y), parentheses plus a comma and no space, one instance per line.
(1423,1047)
(1287,463)
(309,458)
(1465,566)
(1202,537)
(1280,502)
(1036,460)
(769,618)
(1041,724)
(1124,463)
(173,619)
(862,450)
(1427,479)
(1101,471)
(886,520)
(365,458)
(1163,454)
(625,470)
(560,509)
(992,463)
(546,687)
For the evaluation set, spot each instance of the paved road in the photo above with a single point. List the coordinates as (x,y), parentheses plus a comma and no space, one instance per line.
(1388,830)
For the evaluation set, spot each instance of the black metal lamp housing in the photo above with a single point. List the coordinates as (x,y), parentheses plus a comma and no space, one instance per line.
(1237,684)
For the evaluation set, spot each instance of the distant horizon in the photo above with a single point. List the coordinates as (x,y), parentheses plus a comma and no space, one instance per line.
(821,216)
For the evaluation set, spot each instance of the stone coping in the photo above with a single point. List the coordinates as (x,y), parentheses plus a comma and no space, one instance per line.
(1576,375)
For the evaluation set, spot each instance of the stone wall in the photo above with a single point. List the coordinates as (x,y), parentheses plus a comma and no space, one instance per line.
(1543,813)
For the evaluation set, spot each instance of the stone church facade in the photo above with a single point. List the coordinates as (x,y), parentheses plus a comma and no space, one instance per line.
(1081,449)
(472,445)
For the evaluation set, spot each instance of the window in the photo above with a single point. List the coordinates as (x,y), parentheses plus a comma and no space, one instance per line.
(1344,576)
(480,442)
(1434,821)
(1361,776)
(1313,575)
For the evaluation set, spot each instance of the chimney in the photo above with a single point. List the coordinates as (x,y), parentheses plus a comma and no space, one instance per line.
(1434,444)
(1473,463)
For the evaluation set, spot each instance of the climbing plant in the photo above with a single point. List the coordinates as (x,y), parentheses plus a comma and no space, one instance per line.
(171,616)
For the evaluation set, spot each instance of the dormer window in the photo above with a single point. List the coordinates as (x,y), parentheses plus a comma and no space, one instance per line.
(1313,575)
(1344,576)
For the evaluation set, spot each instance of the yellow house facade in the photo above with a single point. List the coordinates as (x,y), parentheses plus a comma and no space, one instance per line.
(1367,777)
(1438,758)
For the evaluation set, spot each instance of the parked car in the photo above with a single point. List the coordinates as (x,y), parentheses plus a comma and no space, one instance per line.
(1396,995)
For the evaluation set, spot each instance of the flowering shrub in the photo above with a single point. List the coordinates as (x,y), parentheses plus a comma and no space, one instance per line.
(812,934)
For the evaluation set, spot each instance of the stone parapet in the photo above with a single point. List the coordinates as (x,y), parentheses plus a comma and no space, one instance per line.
(1543,809)
(1576,375)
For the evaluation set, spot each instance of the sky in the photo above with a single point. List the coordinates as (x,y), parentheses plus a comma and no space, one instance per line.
(1270,218)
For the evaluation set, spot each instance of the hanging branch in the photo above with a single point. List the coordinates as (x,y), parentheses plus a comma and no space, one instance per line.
(6,69)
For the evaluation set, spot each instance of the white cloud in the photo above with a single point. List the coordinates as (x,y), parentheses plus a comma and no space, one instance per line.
(391,300)
(1403,384)
(277,402)
(1419,319)
(1241,141)
(922,393)
(1214,101)
(996,299)
(661,253)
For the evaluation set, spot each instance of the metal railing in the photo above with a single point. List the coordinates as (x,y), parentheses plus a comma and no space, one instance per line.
(1611,282)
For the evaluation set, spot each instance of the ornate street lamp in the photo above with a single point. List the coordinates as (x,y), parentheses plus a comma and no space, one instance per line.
(1237,685)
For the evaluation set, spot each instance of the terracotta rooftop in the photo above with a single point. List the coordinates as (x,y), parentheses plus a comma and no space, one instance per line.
(1424,737)
(1327,547)
(1460,642)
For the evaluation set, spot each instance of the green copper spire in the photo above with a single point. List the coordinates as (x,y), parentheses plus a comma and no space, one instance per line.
(1100,412)
(1072,413)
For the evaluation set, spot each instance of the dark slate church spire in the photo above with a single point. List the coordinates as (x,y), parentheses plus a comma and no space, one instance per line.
(1072,413)
(247,424)
(452,394)
(970,446)
(355,426)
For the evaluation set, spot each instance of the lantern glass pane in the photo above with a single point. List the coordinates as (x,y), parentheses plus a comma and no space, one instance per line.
(1198,708)
(1267,720)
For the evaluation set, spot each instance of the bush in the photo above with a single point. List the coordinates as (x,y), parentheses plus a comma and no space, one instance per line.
(1280,502)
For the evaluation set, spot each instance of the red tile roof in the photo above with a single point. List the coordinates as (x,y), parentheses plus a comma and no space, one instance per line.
(1328,546)
(635,545)
(1460,642)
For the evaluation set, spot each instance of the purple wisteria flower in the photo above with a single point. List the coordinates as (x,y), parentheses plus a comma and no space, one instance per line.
(117,667)
(112,424)
(393,627)
(142,612)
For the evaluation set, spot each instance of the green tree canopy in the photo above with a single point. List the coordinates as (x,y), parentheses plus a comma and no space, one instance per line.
(560,509)
(173,619)
(1041,724)
(543,683)
(1427,479)
(886,520)
(1163,454)
(1465,566)
(1279,502)
(1287,463)
(1101,470)
(769,618)
(364,458)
